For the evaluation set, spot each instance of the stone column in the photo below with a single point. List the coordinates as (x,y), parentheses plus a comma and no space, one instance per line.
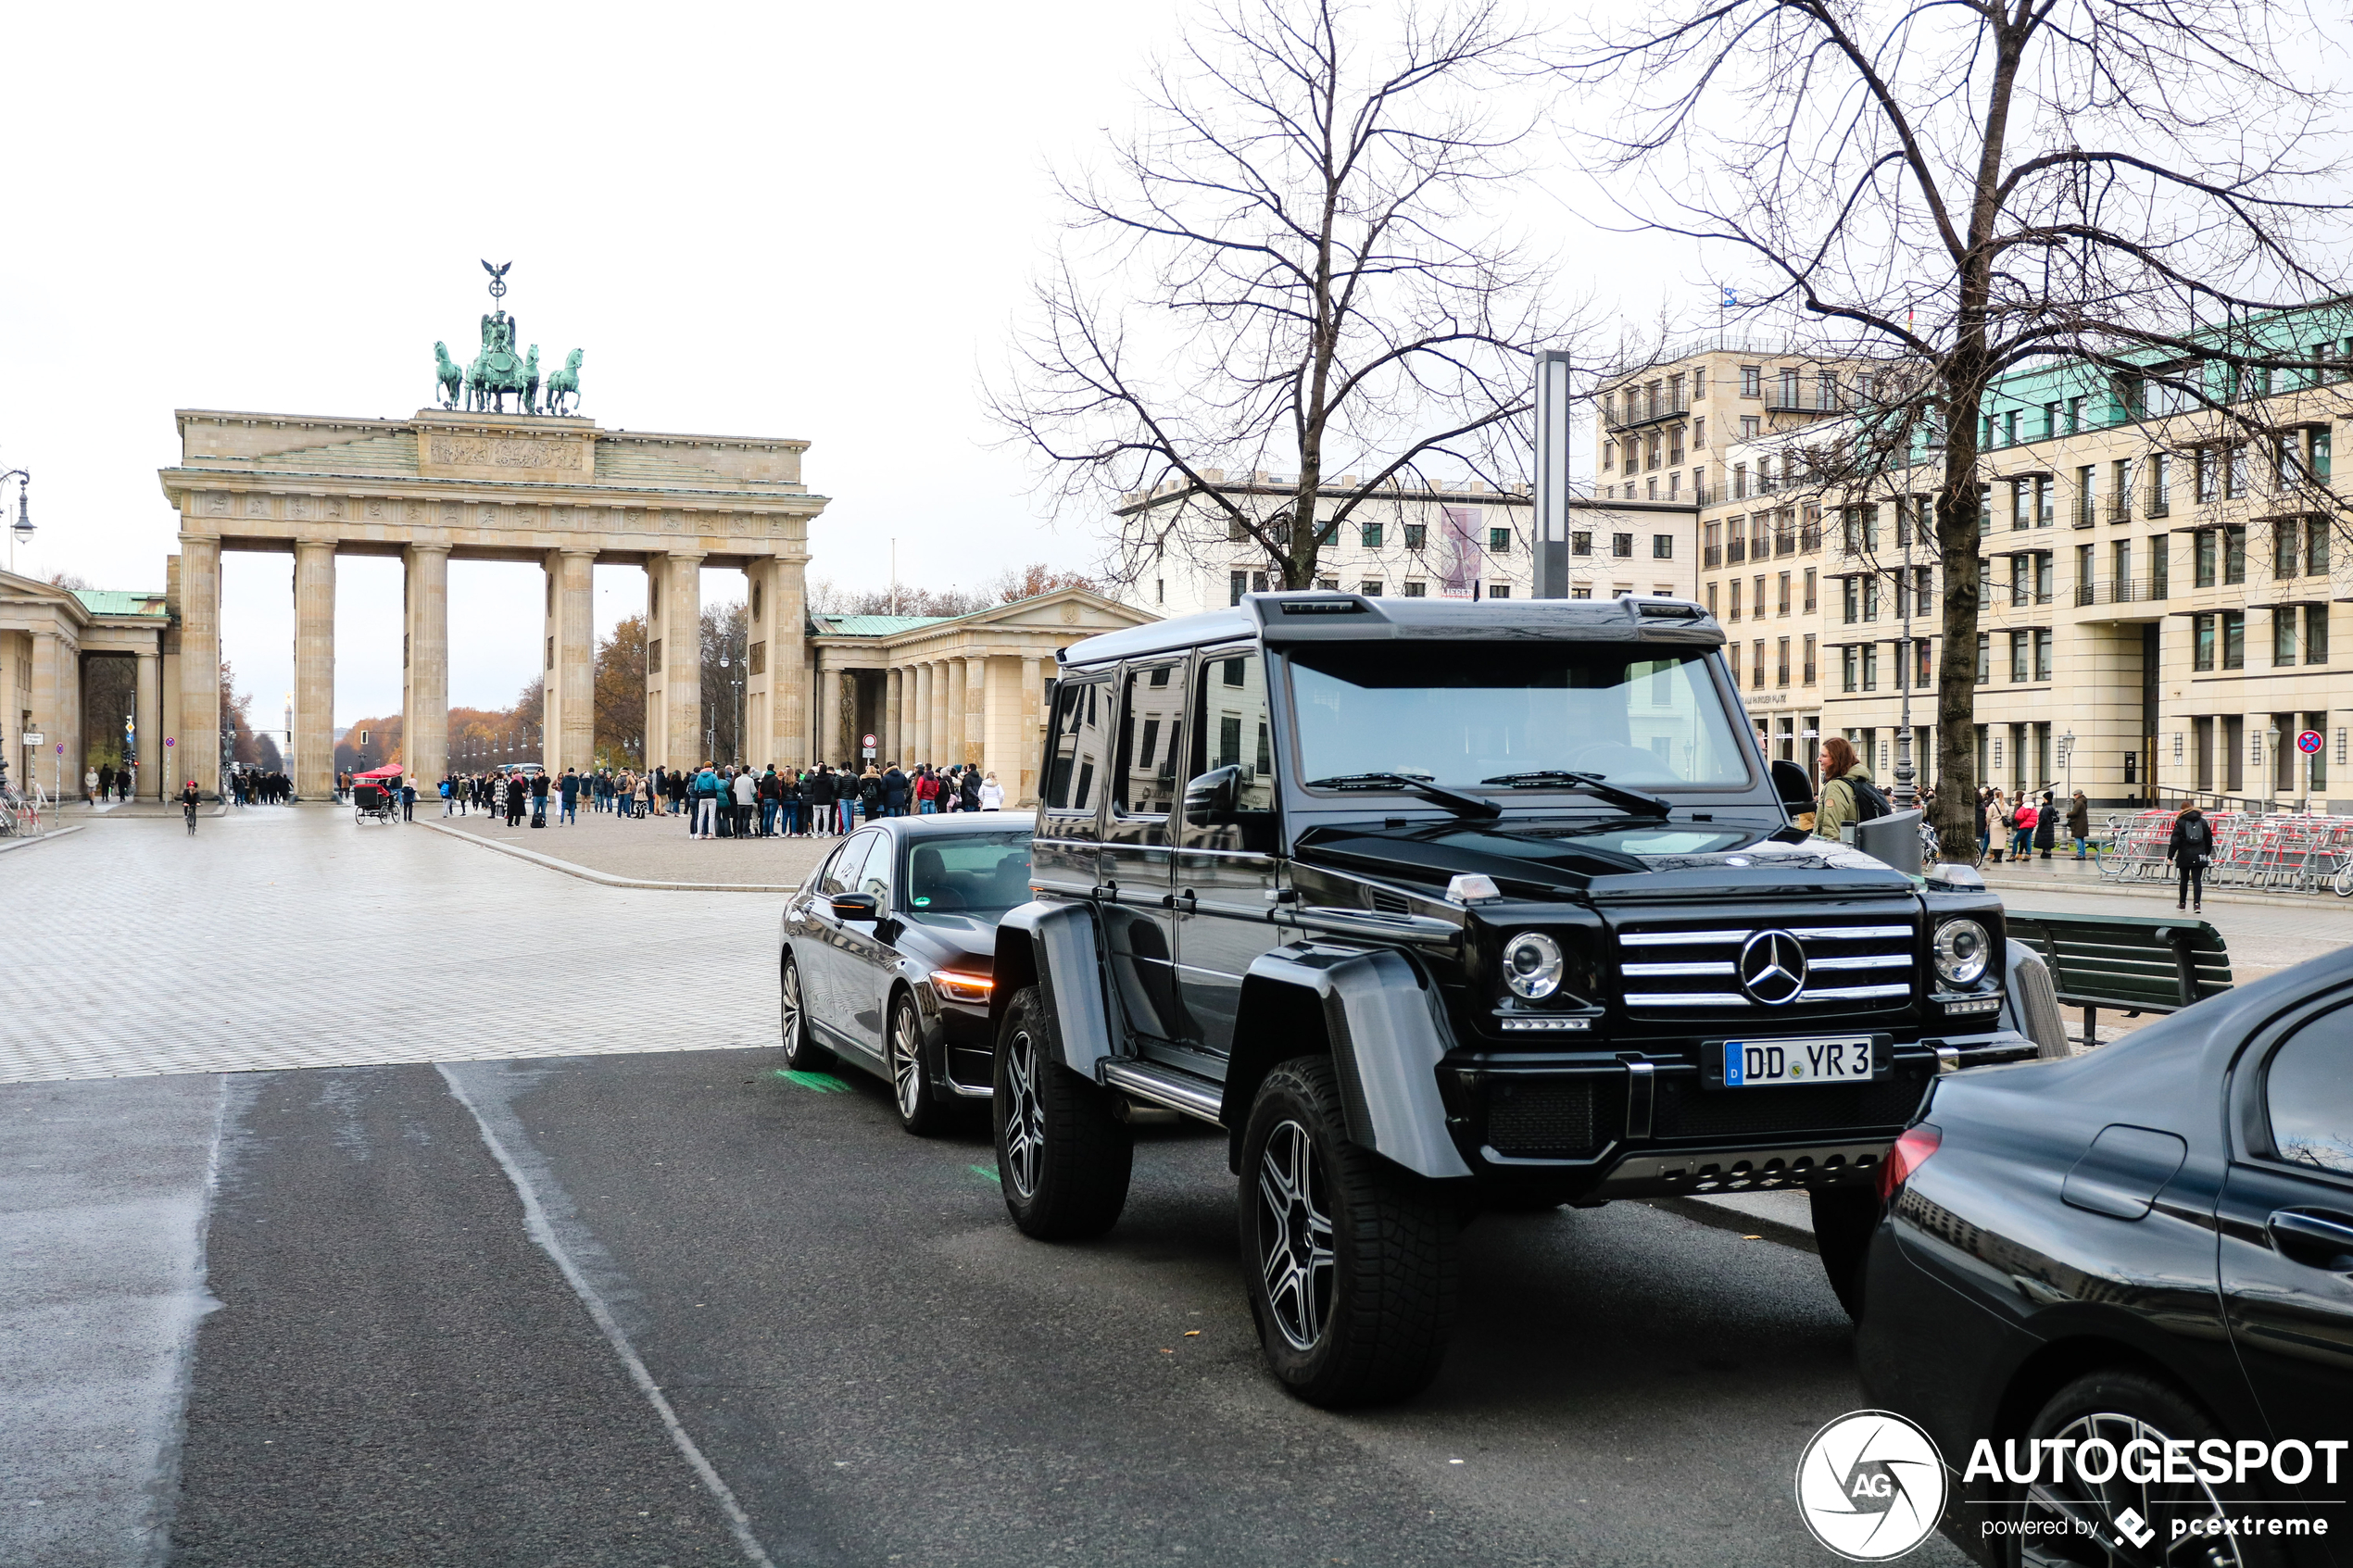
(1033,733)
(681,666)
(948,740)
(789,659)
(894,730)
(314,720)
(196,753)
(148,708)
(570,730)
(922,742)
(656,728)
(975,710)
(424,723)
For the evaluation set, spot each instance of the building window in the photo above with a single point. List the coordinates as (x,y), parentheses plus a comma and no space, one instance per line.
(1699,435)
(2283,636)
(1740,482)
(1870,667)
(2203,476)
(1711,599)
(1499,590)
(1736,600)
(2316,634)
(2042,509)
(1499,541)
(2316,546)
(1780,663)
(1328,584)
(1662,547)
(1808,672)
(2234,639)
(1780,601)
(1752,381)
(2287,532)
(2043,653)
(1870,598)
(1416,534)
(1609,456)
(2316,454)
(1809,590)
(2234,554)
(1851,596)
(2160,467)
(1985,657)
(1416,590)
(1370,533)
(1581,544)
(2018,658)
(1621,546)
(1756,666)
(1370,590)
(2201,642)
(1750,429)
(1160,595)
(1850,659)
(1581,591)
(2234,473)
(2204,570)
(2160,566)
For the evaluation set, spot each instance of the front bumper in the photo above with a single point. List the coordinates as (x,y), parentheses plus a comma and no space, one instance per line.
(1605,1124)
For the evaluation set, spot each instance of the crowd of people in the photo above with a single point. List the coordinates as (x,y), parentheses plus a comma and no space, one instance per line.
(109,783)
(2028,823)
(730,801)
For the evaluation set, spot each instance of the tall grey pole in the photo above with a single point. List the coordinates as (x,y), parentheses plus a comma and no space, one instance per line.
(1553,409)
(1907,794)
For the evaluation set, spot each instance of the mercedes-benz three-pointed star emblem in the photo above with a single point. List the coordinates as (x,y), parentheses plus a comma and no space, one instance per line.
(1772,968)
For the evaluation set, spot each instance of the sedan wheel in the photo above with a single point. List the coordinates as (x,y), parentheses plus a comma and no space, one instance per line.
(910,1086)
(802,1053)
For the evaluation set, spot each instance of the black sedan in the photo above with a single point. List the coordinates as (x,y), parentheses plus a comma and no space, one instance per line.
(886,952)
(2117,1290)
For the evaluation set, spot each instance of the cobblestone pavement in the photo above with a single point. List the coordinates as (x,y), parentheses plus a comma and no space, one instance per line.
(297,938)
(648,848)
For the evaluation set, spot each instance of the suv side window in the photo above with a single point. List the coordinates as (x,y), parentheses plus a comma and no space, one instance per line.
(1234,729)
(2307,1096)
(1152,723)
(1075,755)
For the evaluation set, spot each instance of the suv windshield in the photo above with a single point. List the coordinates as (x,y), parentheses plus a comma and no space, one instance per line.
(1458,713)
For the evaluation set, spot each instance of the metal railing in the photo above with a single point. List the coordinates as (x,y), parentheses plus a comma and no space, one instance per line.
(2112,592)
(1636,411)
(1780,398)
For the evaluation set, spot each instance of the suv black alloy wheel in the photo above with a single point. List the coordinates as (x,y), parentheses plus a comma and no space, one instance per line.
(1352,1261)
(1063,1157)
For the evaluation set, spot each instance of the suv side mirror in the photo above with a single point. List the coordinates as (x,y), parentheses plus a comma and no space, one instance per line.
(1212,799)
(856,906)
(1794,788)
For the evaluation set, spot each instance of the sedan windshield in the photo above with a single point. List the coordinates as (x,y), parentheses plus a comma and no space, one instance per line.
(1461,713)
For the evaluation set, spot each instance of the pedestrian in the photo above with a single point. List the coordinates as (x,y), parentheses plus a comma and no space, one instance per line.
(746,790)
(539,782)
(106,783)
(2192,850)
(894,783)
(992,795)
(703,823)
(448,794)
(2022,829)
(771,800)
(968,792)
(90,786)
(516,794)
(408,799)
(869,793)
(820,793)
(2046,827)
(1848,795)
(569,794)
(2079,822)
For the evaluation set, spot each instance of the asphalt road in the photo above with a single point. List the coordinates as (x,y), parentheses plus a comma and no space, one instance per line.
(879,1368)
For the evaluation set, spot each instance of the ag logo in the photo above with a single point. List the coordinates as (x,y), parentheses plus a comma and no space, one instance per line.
(1772,968)
(1870,1485)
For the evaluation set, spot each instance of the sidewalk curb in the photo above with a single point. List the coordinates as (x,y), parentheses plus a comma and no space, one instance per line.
(1700,1212)
(2157,890)
(606,878)
(15,843)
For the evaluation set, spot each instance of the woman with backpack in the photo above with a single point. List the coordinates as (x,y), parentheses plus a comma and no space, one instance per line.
(2192,850)
(1848,794)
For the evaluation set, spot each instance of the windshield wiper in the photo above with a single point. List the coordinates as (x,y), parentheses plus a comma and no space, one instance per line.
(1593,783)
(1460,805)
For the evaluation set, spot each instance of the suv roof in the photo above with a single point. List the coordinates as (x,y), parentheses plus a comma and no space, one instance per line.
(1324,616)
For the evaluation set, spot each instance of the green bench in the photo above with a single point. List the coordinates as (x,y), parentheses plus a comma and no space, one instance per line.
(2128,962)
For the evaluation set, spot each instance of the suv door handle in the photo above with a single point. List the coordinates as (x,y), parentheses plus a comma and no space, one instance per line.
(2314,1237)
(1107,890)
(1183,903)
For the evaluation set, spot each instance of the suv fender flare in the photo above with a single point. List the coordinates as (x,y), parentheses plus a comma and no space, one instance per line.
(1053,947)
(1378,1018)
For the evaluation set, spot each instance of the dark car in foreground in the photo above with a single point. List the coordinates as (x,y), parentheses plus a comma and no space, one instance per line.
(2143,1254)
(887,954)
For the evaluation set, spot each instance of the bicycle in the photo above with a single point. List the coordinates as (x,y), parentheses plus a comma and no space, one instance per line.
(188,812)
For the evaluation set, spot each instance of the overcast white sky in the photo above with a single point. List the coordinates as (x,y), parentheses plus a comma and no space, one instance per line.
(781,220)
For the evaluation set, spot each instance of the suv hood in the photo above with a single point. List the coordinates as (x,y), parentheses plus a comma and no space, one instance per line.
(1542,861)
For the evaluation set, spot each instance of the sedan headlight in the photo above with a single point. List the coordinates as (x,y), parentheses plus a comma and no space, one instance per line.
(1962,951)
(962,986)
(1532,965)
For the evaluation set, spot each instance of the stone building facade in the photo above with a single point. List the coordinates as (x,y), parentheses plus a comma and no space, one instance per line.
(49,638)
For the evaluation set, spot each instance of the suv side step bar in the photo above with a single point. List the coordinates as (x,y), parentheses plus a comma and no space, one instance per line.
(1165,1086)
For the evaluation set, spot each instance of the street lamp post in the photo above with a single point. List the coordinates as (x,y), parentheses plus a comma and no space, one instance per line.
(2271,734)
(1907,793)
(19,532)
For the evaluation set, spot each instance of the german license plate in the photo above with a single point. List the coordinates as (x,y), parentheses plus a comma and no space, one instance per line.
(1759,1064)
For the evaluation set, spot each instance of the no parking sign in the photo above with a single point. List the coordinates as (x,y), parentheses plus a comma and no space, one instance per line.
(2309,743)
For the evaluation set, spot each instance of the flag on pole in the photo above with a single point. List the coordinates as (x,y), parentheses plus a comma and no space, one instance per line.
(1732,298)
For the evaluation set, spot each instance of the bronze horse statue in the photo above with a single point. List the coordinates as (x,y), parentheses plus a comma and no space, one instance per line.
(564,386)
(448,380)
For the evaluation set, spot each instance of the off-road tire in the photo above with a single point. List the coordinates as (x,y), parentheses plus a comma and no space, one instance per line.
(1386,1301)
(2100,1403)
(913,1094)
(802,1053)
(1064,1156)
(1845,1218)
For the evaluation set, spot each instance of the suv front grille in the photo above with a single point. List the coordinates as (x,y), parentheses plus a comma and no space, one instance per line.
(1686,1110)
(1865,965)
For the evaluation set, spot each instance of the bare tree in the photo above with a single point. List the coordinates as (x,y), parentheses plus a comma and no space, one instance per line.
(1289,267)
(1970,191)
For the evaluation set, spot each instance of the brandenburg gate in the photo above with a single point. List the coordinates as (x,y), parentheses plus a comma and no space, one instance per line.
(480,484)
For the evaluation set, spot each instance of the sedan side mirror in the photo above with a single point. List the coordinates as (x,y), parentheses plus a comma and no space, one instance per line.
(856,906)
(1794,788)
(1212,799)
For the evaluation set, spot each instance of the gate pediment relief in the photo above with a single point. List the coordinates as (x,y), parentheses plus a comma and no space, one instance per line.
(473,454)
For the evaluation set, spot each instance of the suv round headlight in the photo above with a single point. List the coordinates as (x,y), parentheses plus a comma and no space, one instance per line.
(1532,965)
(1962,951)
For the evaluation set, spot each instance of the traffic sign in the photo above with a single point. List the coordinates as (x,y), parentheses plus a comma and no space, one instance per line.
(2309,743)
(32,738)
(167,740)
(867,741)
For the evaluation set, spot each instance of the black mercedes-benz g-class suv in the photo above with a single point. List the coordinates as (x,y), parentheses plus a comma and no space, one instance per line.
(1437,906)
